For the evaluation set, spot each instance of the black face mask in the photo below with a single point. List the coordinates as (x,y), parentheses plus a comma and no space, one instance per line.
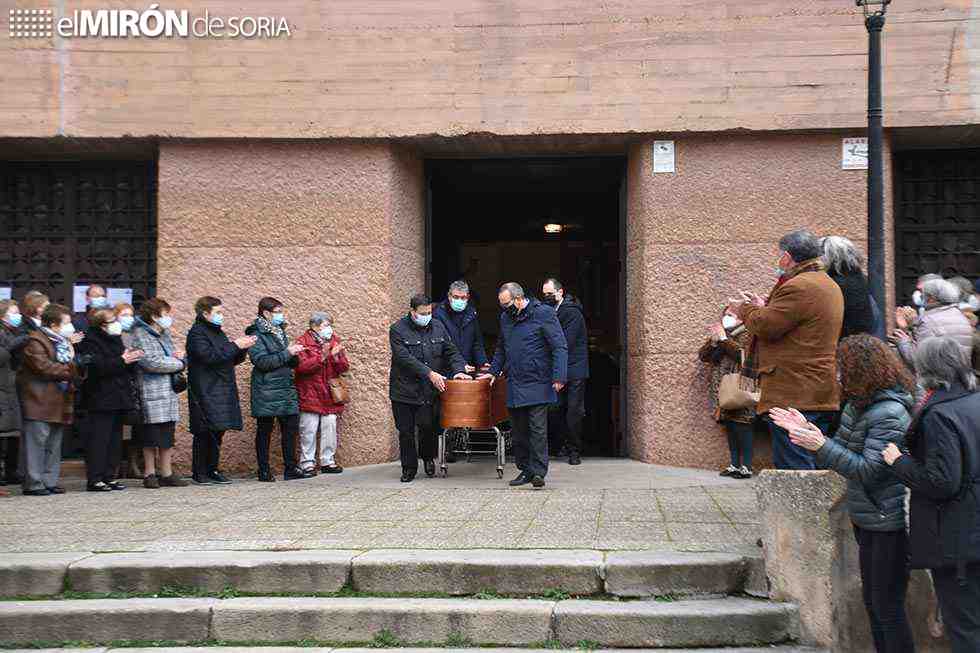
(551,299)
(509,309)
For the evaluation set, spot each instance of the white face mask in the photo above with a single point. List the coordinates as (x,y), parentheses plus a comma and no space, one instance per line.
(917,298)
(113,329)
(729,322)
(67,330)
(973,302)
(326,332)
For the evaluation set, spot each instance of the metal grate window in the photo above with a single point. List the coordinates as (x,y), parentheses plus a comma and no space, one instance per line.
(937,216)
(80,222)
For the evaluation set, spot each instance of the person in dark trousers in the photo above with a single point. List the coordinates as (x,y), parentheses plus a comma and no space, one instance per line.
(566,419)
(422,357)
(13,339)
(532,352)
(107,396)
(458,316)
(274,396)
(843,262)
(212,390)
(942,468)
(878,390)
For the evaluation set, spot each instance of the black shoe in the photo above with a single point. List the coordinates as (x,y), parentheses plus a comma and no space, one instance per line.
(265,476)
(116,485)
(97,487)
(332,469)
(408,475)
(537,482)
(522,479)
(430,468)
(202,480)
(294,474)
(57,489)
(219,478)
(574,458)
(3,481)
(43,492)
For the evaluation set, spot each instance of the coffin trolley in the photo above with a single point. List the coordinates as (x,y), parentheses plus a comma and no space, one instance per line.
(470,407)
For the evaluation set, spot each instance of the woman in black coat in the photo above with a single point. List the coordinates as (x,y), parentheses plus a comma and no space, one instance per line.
(942,469)
(843,262)
(107,396)
(212,391)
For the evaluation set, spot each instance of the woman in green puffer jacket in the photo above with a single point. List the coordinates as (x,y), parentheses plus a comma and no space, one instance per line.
(878,390)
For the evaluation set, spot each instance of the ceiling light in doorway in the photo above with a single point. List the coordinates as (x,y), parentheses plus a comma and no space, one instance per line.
(552,228)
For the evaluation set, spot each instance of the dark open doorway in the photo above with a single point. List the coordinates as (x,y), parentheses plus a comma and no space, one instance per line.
(491,221)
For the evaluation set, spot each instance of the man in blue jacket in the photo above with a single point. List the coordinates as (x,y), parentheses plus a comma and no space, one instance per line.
(532,351)
(565,419)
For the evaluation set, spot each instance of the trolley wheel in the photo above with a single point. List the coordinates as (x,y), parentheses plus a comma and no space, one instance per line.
(444,471)
(500,472)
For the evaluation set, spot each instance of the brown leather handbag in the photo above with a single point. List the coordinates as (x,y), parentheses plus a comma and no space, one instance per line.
(736,390)
(338,390)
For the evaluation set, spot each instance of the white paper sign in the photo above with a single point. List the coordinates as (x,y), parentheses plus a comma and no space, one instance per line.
(119,295)
(78,302)
(854,154)
(6,293)
(663,156)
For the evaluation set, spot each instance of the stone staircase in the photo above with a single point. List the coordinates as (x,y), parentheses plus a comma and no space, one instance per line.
(546,599)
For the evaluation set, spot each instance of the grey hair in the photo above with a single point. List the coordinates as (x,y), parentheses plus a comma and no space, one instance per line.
(942,291)
(932,276)
(555,283)
(319,317)
(514,288)
(841,255)
(965,286)
(940,362)
(459,286)
(801,245)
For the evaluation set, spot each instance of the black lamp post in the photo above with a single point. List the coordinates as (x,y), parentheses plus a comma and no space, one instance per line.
(874,21)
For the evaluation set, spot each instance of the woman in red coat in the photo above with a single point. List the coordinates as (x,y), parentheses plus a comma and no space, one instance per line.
(322,359)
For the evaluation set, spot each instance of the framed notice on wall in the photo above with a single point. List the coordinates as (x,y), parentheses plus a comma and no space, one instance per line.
(854,154)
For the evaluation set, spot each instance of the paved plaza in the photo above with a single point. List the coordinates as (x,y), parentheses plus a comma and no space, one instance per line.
(604,505)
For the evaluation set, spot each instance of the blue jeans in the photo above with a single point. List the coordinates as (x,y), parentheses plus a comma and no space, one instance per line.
(785,454)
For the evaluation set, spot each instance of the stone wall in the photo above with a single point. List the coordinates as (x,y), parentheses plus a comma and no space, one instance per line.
(320,226)
(417,67)
(697,237)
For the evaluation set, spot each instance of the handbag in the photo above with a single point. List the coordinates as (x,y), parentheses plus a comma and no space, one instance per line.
(736,390)
(178,381)
(338,390)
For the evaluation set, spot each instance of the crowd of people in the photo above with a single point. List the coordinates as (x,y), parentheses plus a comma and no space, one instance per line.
(111,366)
(896,414)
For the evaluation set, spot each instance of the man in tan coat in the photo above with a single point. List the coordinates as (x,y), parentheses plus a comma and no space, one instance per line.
(796,334)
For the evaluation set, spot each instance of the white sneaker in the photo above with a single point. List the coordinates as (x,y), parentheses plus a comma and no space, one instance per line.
(745,472)
(731,470)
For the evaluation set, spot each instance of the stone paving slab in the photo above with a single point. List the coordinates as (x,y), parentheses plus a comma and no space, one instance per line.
(246,571)
(470,572)
(35,574)
(605,505)
(648,573)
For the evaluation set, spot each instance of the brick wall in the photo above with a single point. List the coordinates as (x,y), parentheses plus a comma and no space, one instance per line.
(373,68)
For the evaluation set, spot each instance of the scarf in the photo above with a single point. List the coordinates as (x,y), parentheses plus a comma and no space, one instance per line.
(63,351)
(813,265)
(269,327)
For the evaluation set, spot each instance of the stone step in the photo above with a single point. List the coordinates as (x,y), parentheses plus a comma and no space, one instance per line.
(318,649)
(629,624)
(398,571)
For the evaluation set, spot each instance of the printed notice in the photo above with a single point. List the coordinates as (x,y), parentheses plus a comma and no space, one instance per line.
(78,301)
(118,296)
(6,293)
(663,156)
(854,154)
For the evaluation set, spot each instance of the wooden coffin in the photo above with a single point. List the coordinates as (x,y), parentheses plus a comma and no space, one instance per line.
(473,404)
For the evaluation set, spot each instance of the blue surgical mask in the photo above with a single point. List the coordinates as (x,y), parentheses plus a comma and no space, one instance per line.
(99,302)
(217,319)
(126,321)
(326,332)
(458,305)
(422,320)
(164,321)
(15,319)
(278,318)
(917,298)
